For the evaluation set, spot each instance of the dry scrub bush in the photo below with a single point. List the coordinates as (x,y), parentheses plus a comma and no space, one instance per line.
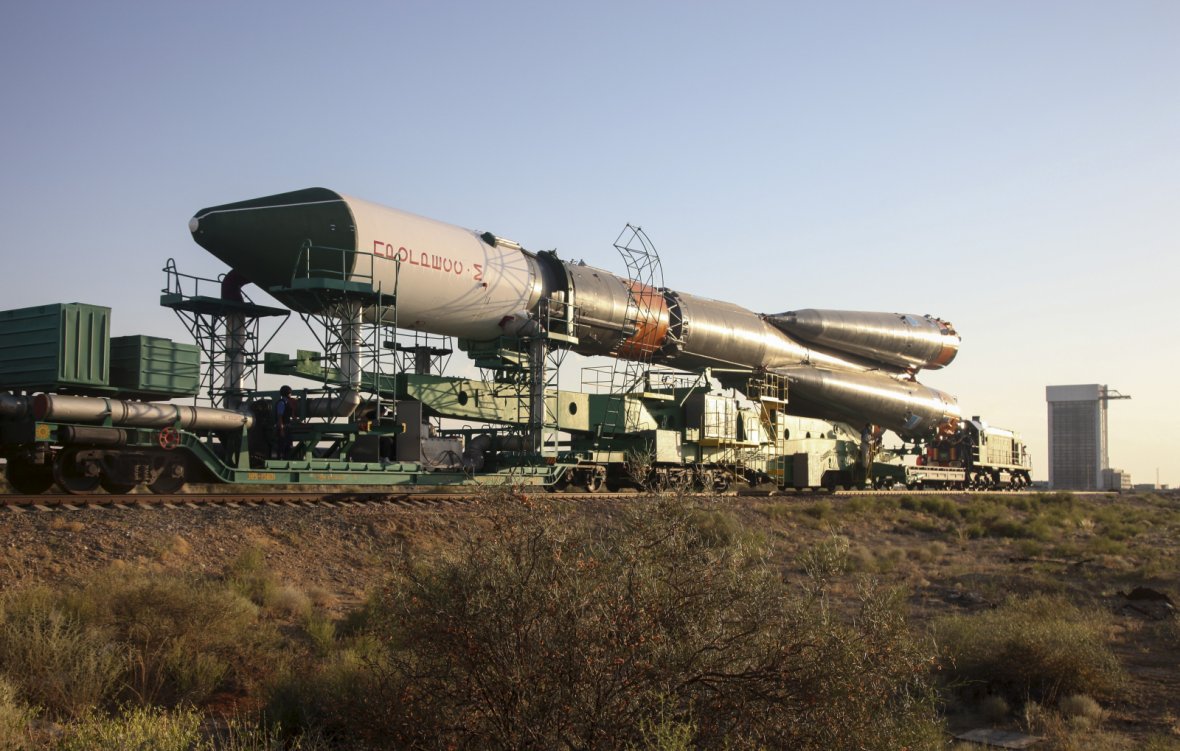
(129,634)
(179,729)
(250,577)
(337,696)
(537,633)
(54,658)
(15,719)
(184,638)
(134,729)
(321,629)
(1081,710)
(1042,647)
(826,559)
(291,600)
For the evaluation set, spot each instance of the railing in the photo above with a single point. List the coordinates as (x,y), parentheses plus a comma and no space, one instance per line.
(343,264)
(189,286)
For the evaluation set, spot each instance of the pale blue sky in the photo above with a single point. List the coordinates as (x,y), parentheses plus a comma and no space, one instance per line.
(1013,167)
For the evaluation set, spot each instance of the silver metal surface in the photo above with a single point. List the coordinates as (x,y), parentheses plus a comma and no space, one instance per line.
(340,404)
(85,409)
(600,300)
(900,339)
(714,333)
(906,407)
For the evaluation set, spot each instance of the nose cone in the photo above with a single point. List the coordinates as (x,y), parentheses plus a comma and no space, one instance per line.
(263,238)
(807,325)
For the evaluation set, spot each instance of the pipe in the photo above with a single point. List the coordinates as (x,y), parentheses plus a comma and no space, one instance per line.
(341,405)
(237,344)
(475,453)
(13,407)
(89,435)
(87,409)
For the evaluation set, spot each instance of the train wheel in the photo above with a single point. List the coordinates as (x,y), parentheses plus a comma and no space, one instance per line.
(560,484)
(593,483)
(29,478)
(114,487)
(74,475)
(170,480)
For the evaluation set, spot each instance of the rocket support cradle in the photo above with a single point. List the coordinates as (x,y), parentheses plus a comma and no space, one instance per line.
(842,365)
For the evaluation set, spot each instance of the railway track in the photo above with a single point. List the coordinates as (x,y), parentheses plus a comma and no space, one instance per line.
(67,502)
(229,499)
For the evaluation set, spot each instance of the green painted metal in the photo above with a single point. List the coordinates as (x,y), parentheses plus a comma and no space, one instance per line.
(59,346)
(308,364)
(267,252)
(466,399)
(446,396)
(154,367)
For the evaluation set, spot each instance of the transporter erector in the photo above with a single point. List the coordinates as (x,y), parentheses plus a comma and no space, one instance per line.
(711,392)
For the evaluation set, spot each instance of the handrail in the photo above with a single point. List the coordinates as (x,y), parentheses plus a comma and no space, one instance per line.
(344,264)
(175,283)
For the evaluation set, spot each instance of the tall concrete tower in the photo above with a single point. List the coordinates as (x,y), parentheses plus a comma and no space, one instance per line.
(1077,435)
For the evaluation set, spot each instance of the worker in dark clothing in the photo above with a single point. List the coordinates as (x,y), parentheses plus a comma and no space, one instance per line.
(285,411)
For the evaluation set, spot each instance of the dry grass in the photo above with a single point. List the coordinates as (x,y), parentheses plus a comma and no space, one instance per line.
(289,600)
(1043,647)
(52,657)
(954,555)
(16,719)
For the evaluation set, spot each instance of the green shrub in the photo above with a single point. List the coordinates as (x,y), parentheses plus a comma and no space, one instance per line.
(321,629)
(1061,499)
(936,505)
(1042,647)
(249,576)
(289,600)
(665,732)
(821,510)
(716,527)
(1017,529)
(340,695)
(877,505)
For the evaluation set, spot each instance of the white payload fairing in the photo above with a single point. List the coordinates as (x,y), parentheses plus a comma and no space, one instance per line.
(843,365)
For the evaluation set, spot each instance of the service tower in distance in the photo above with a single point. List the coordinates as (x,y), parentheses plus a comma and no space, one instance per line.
(1078,456)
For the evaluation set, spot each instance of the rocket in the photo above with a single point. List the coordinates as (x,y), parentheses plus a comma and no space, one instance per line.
(843,365)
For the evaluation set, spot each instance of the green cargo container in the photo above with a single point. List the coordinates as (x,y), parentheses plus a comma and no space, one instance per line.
(62,345)
(155,367)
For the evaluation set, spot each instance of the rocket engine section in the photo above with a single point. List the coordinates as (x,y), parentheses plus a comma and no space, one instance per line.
(904,341)
(453,281)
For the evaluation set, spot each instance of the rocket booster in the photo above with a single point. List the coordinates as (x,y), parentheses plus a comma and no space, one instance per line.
(453,281)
